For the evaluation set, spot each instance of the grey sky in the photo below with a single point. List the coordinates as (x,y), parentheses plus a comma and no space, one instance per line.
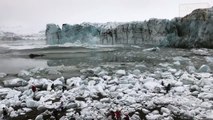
(35,14)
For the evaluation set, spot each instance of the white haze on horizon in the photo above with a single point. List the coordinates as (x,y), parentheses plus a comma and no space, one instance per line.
(31,16)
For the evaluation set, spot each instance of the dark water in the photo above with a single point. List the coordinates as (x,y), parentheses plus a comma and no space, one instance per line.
(13,61)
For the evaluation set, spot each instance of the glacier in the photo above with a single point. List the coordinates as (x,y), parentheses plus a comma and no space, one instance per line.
(71,33)
(192,31)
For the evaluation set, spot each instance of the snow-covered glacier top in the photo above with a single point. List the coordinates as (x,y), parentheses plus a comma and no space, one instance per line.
(108,25)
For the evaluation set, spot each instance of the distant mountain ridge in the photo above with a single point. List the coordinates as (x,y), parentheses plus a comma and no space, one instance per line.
(14,36)
(193,30)
(9,36)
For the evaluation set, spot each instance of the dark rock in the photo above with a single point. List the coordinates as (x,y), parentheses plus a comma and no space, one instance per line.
(35,55)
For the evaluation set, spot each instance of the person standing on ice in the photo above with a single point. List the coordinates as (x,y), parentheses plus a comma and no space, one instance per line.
(5,113)
(52,87)
(33,89)
(168,88)
(55,114)
(162,83)
(64,88)
(126,117)
(112,114)
(118,115)
(61,107)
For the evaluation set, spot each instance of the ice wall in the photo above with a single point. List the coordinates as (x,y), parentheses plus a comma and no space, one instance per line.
(83,33)
(193,30)
(53,34)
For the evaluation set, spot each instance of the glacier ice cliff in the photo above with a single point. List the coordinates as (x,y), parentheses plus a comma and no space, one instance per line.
(193,30)
(84,33)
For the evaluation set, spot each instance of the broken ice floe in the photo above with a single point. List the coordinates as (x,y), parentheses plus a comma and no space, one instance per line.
(94,95)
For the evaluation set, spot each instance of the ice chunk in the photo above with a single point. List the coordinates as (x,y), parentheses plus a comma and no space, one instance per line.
(187,78)
(76,81)
(191,69)
(102,73)
(176,63)
(180,58)
(178,83)
(206,81)
(178,73)
(165,64)
(209,59)
(174,109)
(203,75)
(179,89)
(4,91)
(39,117)
(31,103)
(207,105)
(53,72)
(57,82)
(136,72)
(121,72)
(39,82)
(194,88)
(150,85)
(13,114)
(135,117)
(27,109)
(13,94)
(71,105)
(2,75)
(97,70)
(172,70)
(140,66)
(152,49)
(15,82)
(24,74)
(204,68)
(145,111)
(209,116)
(206,95)
(165,111)
(151,116)
(105,100)
(200,51)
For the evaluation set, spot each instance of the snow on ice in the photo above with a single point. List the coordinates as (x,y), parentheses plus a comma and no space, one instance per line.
(176,94)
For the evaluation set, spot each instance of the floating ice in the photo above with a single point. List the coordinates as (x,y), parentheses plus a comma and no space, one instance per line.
(15,82)
(129,91)
(2,75)
(121,72)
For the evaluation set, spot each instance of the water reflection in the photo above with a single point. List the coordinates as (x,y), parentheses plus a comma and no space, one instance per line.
(96,58)
(14,65)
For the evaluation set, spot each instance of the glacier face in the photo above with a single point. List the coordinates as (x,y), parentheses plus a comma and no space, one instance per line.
(71,33)
(53,34)
(193,30)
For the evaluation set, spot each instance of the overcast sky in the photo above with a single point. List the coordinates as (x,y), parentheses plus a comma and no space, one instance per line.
(33,15)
